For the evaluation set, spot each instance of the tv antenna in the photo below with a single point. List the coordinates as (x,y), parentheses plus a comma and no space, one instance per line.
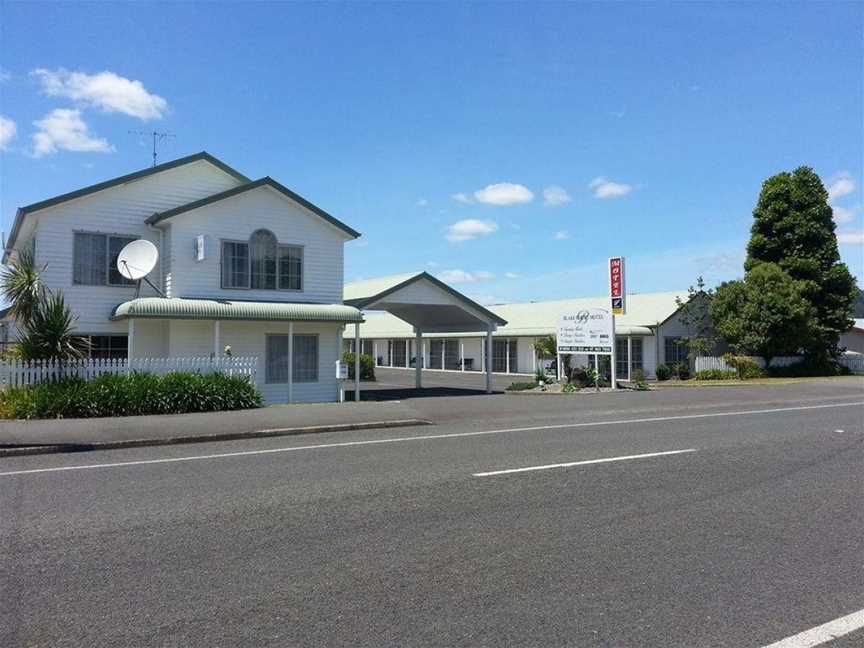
(159,137)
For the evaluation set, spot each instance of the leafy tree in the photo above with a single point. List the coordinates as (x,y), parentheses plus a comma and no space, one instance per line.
(21,284)
(694,313)
(48,335)
(793,227)
(767,314)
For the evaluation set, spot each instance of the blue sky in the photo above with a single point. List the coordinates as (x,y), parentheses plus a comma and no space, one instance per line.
(642,130)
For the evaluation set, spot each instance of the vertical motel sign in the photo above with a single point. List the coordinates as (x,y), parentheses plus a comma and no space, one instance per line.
(616,285)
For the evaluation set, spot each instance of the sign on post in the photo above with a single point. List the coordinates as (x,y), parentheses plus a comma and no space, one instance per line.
(586,331)
(617,292)
(341,370)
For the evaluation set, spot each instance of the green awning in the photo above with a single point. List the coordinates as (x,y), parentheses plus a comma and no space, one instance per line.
(218,309)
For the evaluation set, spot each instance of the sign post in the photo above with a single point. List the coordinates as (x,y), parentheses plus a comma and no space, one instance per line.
(618,302)
(588,331)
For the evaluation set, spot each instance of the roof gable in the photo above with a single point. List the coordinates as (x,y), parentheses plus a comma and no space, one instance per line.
(249,186)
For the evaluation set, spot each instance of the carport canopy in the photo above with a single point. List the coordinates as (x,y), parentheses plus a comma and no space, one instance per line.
(429,305)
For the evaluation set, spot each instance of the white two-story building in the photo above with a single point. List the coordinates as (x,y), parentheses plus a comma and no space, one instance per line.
(243,263)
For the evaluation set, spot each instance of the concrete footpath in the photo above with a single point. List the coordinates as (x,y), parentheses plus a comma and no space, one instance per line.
(72,435)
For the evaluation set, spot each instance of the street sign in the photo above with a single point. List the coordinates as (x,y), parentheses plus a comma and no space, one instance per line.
(617,293)
(586,331)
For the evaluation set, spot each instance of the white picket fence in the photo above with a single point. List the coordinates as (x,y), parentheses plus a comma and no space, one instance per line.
(855,362)
(19,373)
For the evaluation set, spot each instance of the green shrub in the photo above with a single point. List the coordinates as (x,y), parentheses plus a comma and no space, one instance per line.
(570,388)
(747,368)
(716,374)
(663,372)
(367,365)
(681,370)
(808,368)
(541,376)
(521,386)
(130,394)
(638,380)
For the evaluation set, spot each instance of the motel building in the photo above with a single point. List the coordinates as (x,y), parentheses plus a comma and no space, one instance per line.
(647,335)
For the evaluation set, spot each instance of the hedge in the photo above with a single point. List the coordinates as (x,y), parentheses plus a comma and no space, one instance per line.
(716,374)
(132,394)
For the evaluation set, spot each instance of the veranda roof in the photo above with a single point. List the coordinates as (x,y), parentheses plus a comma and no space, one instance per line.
(220,309)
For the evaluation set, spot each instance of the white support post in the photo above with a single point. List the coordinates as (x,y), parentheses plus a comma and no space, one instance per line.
(216,335)
(507,359)
(407,353)
(418,358)
(461,355)
(357,363)
(489,359)
(425,360)
(291,365)
(443,346)
(534,354)
(629,358)
(131,340)
(375,352)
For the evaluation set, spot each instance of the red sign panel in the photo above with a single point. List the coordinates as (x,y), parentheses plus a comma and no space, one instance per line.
(616,285)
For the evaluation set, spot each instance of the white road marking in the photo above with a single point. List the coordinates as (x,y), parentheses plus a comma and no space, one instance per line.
(823,633)
(509,471)
(424,437)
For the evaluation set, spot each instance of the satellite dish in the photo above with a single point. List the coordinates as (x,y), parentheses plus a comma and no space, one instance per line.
(137,259)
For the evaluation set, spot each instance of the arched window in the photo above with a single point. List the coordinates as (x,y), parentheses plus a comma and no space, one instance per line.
(263,251)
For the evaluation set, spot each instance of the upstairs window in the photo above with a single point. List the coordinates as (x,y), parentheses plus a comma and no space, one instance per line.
(262,264)
(94,260)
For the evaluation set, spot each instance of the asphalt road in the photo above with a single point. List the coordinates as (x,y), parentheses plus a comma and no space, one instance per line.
(752,532)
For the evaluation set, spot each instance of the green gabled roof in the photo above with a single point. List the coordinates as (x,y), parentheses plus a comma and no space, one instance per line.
(217,309)
(363,293)
(107,184)
(265,181)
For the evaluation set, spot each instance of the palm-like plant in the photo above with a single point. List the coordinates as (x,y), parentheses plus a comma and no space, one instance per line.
(48,335)
(21,284)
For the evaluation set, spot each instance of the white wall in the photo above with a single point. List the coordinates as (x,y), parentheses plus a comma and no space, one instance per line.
(196,339)
(118,210)
(236,218)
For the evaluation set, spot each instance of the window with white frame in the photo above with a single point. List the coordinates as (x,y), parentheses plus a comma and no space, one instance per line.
(636,360)
(621,359)
(94,259)
(261,263)
(108,347)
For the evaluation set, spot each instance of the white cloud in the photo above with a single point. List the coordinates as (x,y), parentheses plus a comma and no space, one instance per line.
(8,129)
(852,237)
(461,198)
(5,75)
(63,129)
(604,188)
(844,214)
(512,275)
(104,90)
(432,264)
(561,235)
(462,276)
(504,194)
(470,228)
(842,185)
(422,202)
(553,196)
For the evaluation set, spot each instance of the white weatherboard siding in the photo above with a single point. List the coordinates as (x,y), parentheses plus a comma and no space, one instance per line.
(236,218)
(117,210)
(248,339)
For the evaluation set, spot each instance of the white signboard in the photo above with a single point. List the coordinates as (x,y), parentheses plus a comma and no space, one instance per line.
(586,331)
(341,370)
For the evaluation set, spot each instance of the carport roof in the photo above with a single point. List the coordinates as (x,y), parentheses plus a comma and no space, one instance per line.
(371,292)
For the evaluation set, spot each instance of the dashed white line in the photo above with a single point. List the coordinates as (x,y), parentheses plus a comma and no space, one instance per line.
(823,633)
(570,464)
(424,437)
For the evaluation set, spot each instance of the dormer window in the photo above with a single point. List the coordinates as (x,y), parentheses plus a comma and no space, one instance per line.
(262,264)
